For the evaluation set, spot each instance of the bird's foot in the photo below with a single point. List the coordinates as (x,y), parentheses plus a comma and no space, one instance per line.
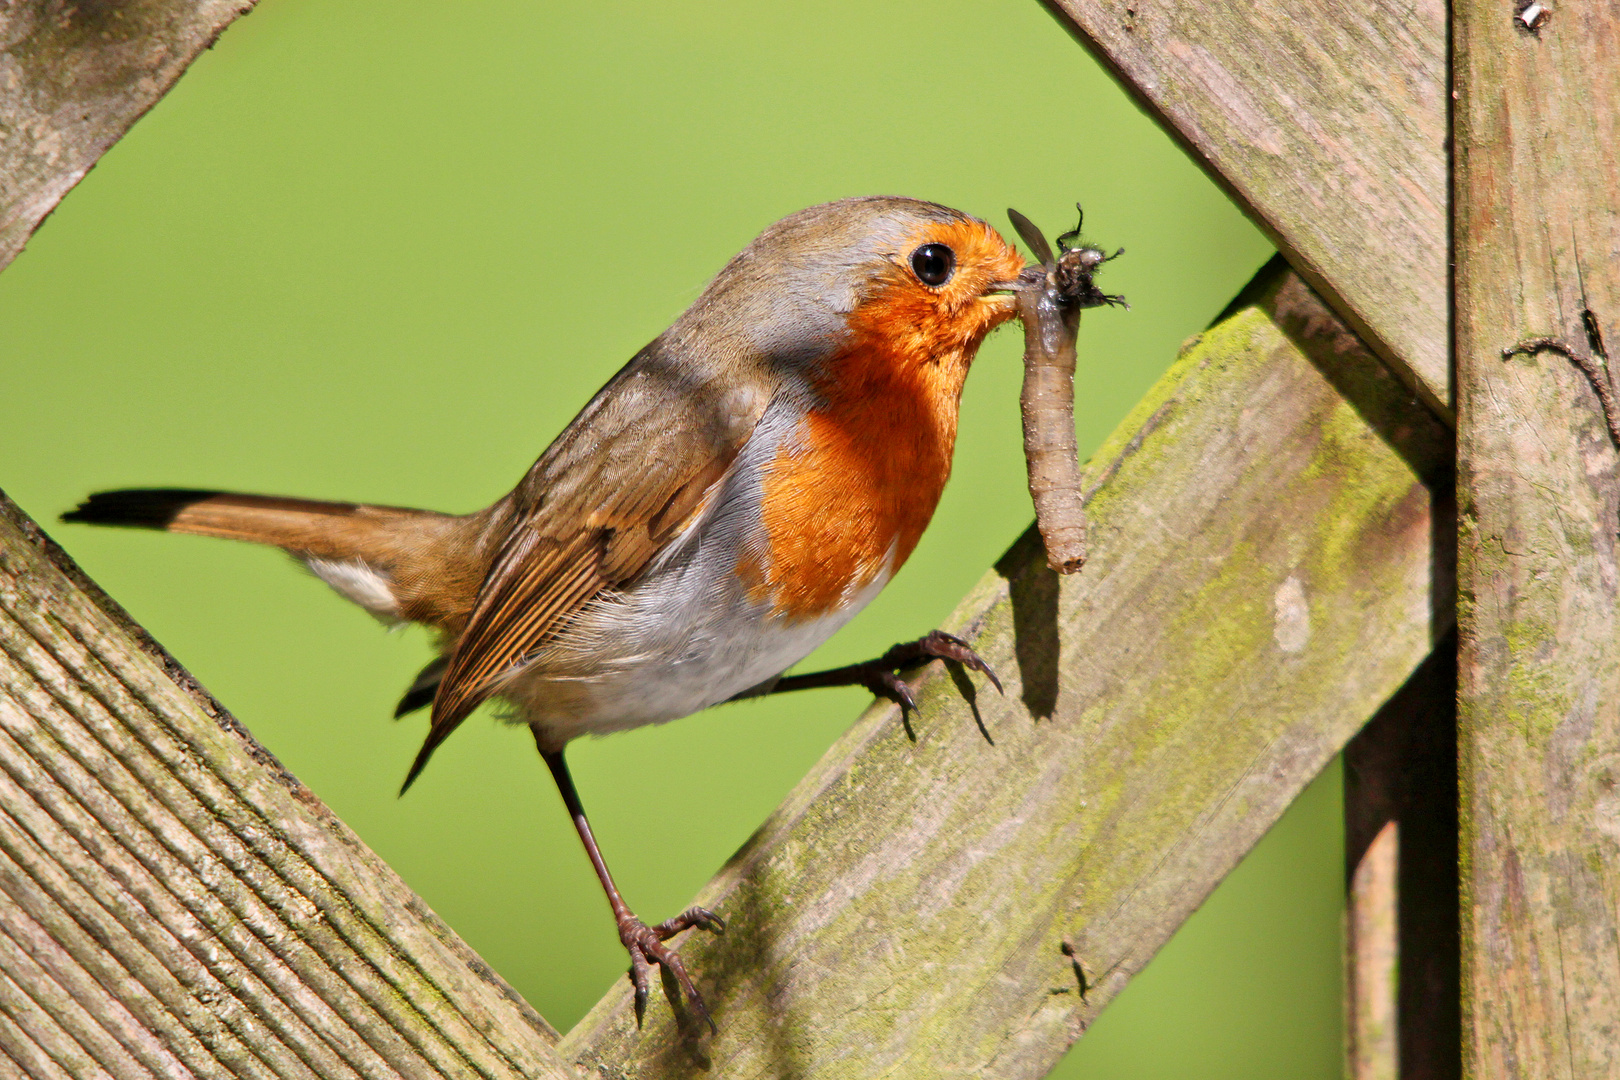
(883,673)
(646,947)
(881,676)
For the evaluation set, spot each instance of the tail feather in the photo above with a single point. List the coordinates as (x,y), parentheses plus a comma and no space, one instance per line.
(395,562)
(420,693)
(142,508)
(306,527)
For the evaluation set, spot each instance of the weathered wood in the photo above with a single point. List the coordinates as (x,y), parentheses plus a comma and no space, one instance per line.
(173,903)
(1265,574)
(73,78)
(1327,121)
(178,905)
(1537,244)
(1372,960)
(1400,841)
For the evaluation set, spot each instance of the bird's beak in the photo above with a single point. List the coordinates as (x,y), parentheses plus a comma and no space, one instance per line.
(998,298)
(1030,275)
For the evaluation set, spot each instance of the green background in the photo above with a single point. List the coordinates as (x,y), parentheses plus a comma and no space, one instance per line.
(383,251)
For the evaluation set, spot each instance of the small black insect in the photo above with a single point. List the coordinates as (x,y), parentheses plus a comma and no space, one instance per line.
(1071,271)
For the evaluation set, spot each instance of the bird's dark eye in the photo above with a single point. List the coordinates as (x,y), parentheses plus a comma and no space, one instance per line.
(933,264)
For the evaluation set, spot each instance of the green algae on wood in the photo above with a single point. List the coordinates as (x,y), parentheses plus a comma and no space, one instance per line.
(1537,183)
(1263,579)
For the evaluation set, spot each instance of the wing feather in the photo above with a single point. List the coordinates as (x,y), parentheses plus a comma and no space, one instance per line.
(595,510)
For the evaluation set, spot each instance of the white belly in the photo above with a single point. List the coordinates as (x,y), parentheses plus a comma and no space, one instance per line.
(633,661)
(687,635)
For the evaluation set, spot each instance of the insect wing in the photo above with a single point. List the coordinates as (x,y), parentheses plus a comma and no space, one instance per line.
(1032,238)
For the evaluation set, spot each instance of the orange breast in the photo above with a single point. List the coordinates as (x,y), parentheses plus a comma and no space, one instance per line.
(850,498)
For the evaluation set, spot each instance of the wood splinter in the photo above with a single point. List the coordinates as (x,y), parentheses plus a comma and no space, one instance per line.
(1050,299)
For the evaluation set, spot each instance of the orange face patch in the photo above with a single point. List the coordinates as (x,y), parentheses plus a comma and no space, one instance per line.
(851,499)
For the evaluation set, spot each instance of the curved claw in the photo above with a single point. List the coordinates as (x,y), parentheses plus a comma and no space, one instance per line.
(879,676)
(646,947)
(700,917)
(883,683)
(950,647)
(639,970)
(670,961)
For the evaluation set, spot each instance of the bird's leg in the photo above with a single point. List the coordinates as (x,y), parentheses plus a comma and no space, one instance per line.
(880,675)
(644,943)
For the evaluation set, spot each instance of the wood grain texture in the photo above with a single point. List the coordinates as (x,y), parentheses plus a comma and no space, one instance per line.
(1400,849)
(1266,572)
(1327,122)
(73,78)
(1538,244)
(1372,960)
(174,904)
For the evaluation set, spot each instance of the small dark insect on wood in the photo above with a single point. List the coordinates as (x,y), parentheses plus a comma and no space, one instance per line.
(1050,299)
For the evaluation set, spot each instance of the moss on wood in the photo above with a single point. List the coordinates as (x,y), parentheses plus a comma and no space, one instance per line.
(1263,557)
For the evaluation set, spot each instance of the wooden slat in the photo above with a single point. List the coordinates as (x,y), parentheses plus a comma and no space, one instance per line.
(1538,246)
(173,903)
(1400,849)
(1265,574)
(1327,121)
(73,78)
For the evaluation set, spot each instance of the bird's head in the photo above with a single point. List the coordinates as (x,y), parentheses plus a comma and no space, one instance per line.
(926,281)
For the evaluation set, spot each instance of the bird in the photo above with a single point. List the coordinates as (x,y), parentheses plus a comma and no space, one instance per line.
(734,495)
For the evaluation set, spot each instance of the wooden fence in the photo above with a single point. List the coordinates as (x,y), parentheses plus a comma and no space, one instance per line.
(176,904)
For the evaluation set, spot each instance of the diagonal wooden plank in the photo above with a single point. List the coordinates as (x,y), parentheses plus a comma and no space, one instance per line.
(173,903)
(1271,561)
(1328,122)
(73,78)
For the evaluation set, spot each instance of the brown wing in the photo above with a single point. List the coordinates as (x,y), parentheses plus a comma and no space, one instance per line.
(617,484)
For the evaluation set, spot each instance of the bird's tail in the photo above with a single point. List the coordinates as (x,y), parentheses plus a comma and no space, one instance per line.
(398,564)
(305,527)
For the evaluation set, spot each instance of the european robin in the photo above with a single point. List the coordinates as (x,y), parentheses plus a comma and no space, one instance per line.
(734,495)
